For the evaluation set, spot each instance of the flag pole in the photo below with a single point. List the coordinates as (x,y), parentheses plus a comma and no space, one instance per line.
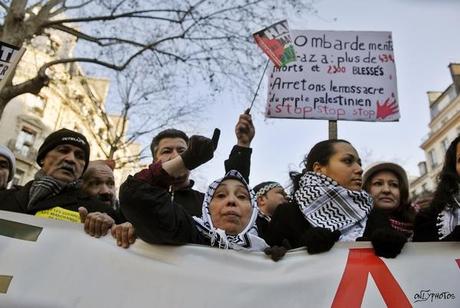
(258,87)
(332,129)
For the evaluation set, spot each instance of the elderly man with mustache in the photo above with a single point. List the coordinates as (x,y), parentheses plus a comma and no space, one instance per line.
(55,192)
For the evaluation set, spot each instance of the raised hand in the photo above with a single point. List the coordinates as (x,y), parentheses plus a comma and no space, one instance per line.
(244,130)
(200,150)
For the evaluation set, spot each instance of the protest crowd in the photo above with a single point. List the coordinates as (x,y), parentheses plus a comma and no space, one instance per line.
(332,199)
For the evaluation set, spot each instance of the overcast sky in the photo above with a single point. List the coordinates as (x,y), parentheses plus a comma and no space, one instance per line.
(425,39)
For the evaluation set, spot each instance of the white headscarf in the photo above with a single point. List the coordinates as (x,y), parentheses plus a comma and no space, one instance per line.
(248,239)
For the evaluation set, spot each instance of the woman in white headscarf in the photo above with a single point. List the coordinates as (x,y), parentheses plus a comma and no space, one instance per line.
(229,215)
(228,219)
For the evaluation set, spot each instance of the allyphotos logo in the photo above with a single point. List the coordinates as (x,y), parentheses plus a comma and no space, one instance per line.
(432,296)
(78,139)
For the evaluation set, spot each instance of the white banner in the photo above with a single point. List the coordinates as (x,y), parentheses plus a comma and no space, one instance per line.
(339,75)
(58,265)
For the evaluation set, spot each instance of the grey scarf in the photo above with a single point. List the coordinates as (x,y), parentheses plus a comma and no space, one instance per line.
(44,187)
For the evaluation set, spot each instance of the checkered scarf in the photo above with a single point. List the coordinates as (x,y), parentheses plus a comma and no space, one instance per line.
(326,204)
(44,187)
(248,239)
(449,218)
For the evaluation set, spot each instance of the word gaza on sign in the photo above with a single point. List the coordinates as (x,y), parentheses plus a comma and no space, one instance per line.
(338,75)
(50,263)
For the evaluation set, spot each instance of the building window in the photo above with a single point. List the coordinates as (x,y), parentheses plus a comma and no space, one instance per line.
(433,160)
(445,144)
(25,141)
(422,168)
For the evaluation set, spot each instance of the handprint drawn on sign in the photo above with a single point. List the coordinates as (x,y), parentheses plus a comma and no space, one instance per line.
(386,109)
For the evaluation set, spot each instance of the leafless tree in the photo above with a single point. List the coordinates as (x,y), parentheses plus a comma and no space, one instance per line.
(146,107)
(211,37)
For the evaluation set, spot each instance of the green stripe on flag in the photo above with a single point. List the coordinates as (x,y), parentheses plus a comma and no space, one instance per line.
(5,283)
(19,230)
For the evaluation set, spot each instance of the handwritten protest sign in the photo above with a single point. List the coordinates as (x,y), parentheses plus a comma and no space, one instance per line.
(338,75)
(276,42)
(9,58)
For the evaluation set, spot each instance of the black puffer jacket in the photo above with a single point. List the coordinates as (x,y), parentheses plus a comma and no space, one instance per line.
(159,218)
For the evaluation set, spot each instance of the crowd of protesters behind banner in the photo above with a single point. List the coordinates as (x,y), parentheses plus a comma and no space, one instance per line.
(332,199)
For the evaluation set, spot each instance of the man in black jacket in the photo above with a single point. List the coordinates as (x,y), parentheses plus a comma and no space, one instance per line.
(54,192)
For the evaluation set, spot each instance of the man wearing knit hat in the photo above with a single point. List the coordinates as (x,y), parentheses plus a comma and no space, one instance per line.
(64,155)
(269,196)
(7,166)
(54,192)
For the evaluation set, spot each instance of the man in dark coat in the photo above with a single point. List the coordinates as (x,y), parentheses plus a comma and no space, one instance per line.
(54,192)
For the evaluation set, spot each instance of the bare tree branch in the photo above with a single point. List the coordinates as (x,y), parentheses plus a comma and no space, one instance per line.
(3,5)
(133,14)
(75,7)
(209,41)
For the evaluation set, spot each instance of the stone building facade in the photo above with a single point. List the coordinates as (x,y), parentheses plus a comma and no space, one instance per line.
(71,100)
(444,127)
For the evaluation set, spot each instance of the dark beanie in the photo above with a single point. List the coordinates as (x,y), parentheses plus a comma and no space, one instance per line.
(63,136)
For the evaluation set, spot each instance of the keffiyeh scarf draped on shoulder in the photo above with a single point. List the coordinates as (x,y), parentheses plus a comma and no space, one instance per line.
(248,239)
(326,204)
(449,218)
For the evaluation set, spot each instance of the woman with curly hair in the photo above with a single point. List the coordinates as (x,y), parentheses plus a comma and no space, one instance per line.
(441,220)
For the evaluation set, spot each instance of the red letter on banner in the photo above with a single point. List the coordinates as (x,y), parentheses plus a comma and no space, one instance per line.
(351,289)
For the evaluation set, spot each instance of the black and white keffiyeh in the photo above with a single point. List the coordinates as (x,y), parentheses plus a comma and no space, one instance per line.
(449,218)
(248,239)
(44,187)
(326,204)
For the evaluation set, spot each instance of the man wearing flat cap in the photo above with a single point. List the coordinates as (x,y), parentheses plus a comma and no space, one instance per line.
(54,192)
